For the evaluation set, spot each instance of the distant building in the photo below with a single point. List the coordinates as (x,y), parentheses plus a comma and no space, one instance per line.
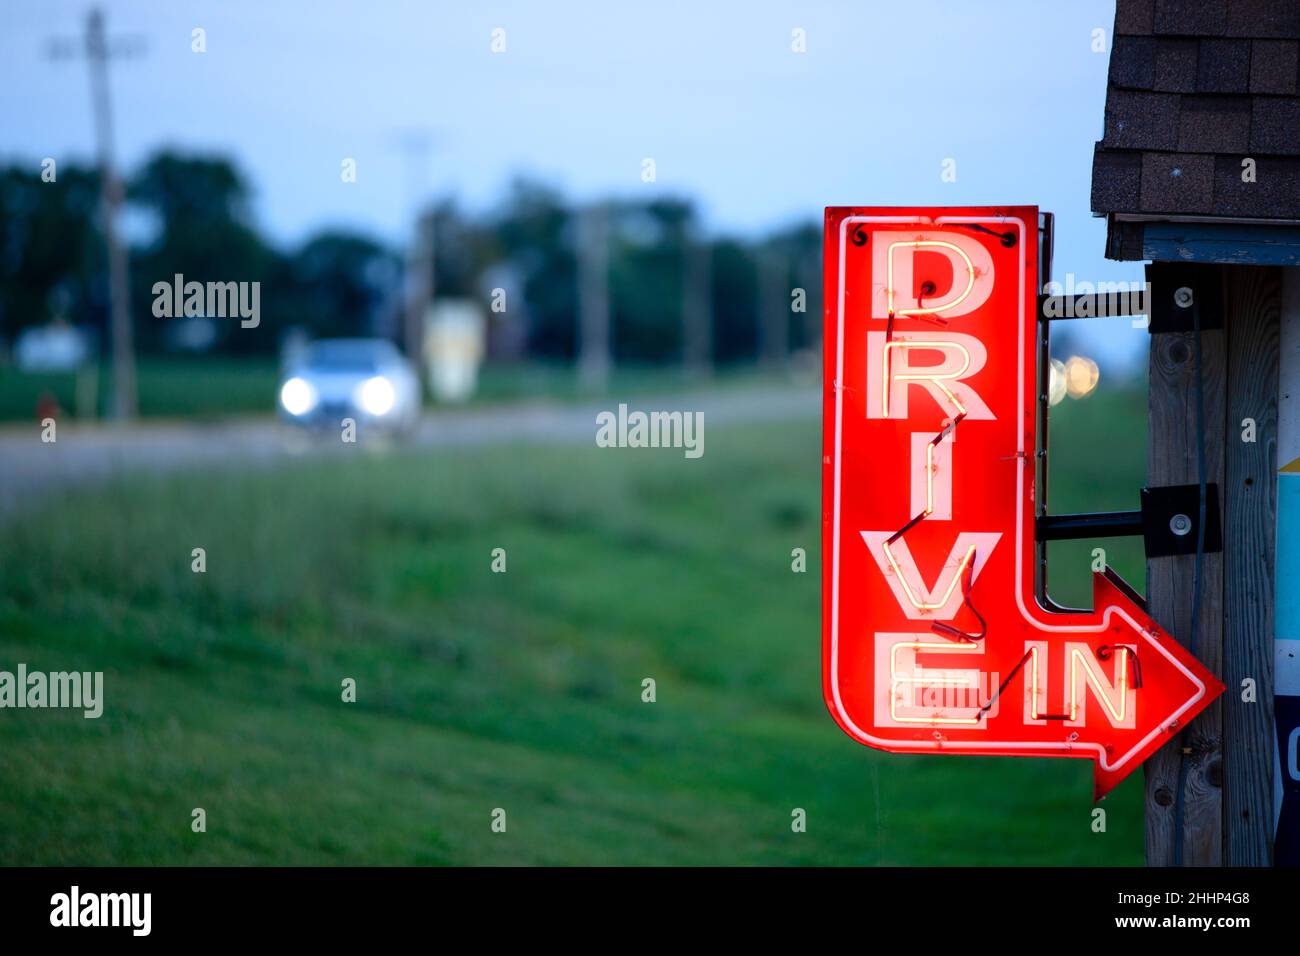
(55,347)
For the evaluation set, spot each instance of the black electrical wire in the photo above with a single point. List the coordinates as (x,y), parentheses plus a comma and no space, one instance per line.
(1179,800)
(1004,685)
(1007,238)
(947,629)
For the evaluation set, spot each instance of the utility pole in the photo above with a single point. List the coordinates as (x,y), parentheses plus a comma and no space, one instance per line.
(811,324)
(697,302)
(98,53)
(773,308)
(593,298)
(420,282)
(421,253)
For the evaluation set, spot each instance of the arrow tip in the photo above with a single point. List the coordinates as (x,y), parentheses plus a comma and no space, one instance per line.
(1178,711)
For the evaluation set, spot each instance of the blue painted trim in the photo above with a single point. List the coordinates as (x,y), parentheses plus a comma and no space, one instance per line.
(1233,244)
(1286,674)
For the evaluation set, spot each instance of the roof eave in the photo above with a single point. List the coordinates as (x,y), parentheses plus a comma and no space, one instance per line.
(1206,239)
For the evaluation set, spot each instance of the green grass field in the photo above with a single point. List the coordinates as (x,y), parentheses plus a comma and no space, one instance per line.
(478,690)
(533,380)
(203,388)
(212,388)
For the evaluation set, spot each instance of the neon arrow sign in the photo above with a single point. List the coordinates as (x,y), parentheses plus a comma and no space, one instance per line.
(933,638)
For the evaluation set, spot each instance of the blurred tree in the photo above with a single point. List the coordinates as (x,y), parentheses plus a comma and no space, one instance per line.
(647,261)
(334,285)
(201,227)
(463,251)
(535,232)
(735,302)
(51,253)
(800,248)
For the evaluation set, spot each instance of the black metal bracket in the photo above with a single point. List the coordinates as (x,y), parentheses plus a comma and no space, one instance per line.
(1172,289)
(1177,287)
(1101,305)
(1169,520)
(1103,524)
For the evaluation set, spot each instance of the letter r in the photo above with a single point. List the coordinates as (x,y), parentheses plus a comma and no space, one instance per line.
(895,365)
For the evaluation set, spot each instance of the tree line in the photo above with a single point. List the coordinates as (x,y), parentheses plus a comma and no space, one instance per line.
(193,215)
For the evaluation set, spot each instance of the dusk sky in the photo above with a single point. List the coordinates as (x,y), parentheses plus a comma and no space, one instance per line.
(759,135)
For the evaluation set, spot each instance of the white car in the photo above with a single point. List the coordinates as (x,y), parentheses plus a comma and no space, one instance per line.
(367,380)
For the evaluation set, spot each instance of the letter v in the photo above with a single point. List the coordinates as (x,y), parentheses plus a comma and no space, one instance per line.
(943,600)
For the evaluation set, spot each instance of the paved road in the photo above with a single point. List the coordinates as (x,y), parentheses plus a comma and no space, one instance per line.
(87,453)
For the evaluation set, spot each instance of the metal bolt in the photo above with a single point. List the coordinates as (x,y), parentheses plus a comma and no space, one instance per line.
(1183,297)
(1180,524)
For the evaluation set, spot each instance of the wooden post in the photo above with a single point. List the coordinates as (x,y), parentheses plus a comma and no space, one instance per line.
(1223,761)
(1253,296)
(1172,460)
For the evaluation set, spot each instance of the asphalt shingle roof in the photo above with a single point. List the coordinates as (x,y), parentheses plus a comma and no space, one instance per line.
(1196,88)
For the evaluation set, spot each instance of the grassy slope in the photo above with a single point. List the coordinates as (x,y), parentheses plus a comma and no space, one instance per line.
(480,690)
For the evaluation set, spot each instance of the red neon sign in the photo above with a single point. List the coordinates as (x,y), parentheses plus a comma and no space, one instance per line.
(933,638)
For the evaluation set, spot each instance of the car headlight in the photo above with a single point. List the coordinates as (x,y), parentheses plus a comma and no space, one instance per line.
(378,396)
(297,396)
